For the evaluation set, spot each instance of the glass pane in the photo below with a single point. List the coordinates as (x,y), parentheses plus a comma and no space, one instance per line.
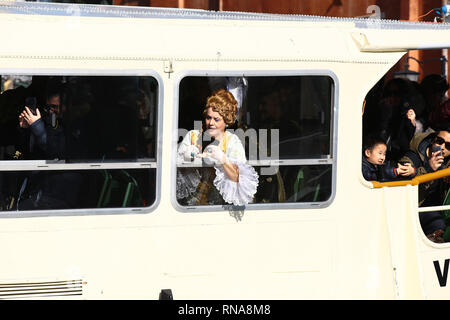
(81,118)
(76,189)
(298,107)
(295,184)
(289,184)
(277,118)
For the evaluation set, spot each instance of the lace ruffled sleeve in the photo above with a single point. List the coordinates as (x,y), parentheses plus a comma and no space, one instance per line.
(187,182)
(241,192)
(238,193)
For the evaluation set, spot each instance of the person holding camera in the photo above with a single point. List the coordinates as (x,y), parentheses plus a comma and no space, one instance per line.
(47,141)
(397,116)
(429,152)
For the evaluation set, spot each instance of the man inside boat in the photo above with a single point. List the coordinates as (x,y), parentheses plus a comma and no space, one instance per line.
(46,140)
(429,152)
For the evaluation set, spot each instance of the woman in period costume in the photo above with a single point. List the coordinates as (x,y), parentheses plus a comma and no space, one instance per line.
(228,179)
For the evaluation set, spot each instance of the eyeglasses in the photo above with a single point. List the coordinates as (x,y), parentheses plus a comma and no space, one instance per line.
(440,141)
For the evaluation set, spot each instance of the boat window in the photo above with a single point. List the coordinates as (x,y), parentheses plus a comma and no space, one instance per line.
(77,142)
(285,124)
(406,135)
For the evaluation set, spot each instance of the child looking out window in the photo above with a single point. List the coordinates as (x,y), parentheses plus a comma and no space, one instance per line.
(374,167)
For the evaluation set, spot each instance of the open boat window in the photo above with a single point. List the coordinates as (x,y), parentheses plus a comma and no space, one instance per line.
(406,135)
(283,128)
(76,142)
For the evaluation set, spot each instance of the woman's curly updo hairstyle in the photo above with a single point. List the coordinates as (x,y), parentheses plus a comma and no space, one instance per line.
(223,102)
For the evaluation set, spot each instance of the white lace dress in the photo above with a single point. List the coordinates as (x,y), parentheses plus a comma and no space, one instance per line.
(236,193)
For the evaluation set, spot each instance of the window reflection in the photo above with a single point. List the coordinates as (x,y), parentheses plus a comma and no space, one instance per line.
(86,118)
(288,118)
(77,120)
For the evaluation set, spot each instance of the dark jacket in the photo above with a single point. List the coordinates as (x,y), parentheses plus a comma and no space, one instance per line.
(51,189)
(394,128)
(46,142)
(432,192)
(385,172)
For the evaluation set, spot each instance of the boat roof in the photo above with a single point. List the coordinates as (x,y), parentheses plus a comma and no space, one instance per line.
(303,36)
(92,10)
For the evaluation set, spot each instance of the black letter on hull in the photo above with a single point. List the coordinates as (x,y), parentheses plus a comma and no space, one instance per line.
(442,277)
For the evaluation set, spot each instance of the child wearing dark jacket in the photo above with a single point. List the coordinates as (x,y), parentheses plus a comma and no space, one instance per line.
(374,167)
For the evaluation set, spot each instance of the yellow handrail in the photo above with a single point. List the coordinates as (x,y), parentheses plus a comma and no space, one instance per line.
(415,181)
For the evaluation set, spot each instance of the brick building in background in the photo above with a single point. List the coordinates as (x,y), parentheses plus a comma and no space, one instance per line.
(412,10)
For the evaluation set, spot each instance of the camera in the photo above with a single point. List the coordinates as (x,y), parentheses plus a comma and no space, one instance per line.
(436,149)
(30,102)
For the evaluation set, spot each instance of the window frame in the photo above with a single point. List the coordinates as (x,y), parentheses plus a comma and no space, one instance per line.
(260,73)
(30,165)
